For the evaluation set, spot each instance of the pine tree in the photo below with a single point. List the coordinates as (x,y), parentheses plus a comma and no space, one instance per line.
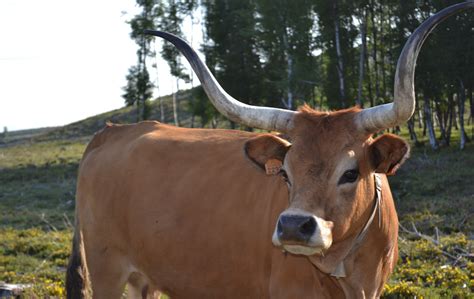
(139,88)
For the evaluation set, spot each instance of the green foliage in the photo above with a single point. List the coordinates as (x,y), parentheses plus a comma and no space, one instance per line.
(283,53)
(425,270)
(231,50)
(139,87)
(35,257)
(289,65)
(170,21)
(201,106)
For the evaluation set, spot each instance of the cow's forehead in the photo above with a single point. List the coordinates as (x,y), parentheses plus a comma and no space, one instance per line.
(326,144)
(327,134)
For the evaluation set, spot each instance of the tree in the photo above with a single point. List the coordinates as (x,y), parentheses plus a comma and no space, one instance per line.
(139,87)
(283,53)
(138,90)
(337,34)
(362,15)
(286,41)
(231,48)
(171,21)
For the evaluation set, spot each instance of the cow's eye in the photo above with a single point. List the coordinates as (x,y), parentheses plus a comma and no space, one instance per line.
(285,176)
(349,176)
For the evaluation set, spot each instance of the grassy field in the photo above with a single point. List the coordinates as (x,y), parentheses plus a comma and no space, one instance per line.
(434,194)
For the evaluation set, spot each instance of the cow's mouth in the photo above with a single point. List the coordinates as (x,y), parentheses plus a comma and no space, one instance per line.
(300,232)
(303,250)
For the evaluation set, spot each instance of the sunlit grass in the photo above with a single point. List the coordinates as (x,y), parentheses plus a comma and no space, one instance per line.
(38,183)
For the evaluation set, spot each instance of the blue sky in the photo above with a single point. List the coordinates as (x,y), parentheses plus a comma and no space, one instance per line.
(63,60)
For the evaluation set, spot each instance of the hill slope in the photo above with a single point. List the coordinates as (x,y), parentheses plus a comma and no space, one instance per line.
(87,127)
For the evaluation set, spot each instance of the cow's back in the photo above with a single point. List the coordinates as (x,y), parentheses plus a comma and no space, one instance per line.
(184,207)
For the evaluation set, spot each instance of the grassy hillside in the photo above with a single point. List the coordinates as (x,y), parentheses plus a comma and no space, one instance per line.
(88,126)
(434,194)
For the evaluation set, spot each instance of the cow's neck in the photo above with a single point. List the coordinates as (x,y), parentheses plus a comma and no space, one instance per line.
(334,262)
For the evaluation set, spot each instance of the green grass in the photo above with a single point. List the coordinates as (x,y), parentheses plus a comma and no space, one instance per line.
(38,184)
(36,257)
(433,191)
(36,211)
(434,195)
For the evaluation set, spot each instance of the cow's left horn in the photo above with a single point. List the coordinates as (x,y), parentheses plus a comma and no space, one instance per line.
(253,116)
(393,114)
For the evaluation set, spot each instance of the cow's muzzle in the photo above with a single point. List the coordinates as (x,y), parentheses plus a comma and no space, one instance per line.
(296,228)
(300,232)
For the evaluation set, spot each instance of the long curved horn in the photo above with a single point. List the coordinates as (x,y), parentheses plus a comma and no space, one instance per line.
(393,114)
(253,116)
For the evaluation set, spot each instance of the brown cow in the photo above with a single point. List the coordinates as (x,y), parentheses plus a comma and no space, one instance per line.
(199,213)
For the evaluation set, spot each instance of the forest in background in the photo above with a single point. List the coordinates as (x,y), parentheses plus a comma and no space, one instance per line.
(328,54)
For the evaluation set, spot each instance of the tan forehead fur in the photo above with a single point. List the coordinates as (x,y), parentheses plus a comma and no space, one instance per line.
(325,133)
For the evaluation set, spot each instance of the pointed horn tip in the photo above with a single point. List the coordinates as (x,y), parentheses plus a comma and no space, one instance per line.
(404,112)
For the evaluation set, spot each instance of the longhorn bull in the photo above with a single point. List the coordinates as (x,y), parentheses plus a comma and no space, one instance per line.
(199,213)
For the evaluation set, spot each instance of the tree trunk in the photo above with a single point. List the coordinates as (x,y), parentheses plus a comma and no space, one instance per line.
(461,100)
(420,114)
(411,130)
(160,98)
(440,120)
(162,110)
(369,80)
(191,72)
(289,71)
(381,51)
(142,62)
(340,62)
(138,110)
(470,93)
(363,37)
(289,103)
(455,117)
(175,104)
(450,117)
(374,52)
(429,124)
(214,122)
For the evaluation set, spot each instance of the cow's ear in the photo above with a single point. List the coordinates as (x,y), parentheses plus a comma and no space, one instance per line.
(267,151)
(388,152)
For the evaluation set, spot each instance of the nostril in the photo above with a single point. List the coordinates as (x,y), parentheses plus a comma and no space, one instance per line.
(308,227)
(279,228)
(296,228)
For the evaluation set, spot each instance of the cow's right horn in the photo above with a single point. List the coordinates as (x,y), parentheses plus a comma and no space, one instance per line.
(393,114)
(253,116)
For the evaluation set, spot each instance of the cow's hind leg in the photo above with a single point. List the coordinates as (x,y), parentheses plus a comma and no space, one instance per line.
(139,288)
(108,274)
